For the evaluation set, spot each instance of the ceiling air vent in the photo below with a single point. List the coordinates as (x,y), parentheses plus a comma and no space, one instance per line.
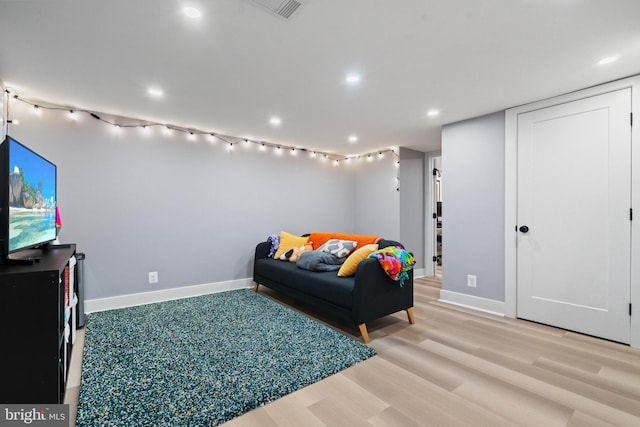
(285,9)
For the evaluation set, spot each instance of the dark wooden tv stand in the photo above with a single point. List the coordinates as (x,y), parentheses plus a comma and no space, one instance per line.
(35,355)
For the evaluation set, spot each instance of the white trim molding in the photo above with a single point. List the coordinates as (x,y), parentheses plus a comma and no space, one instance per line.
(130,300)
(470,301)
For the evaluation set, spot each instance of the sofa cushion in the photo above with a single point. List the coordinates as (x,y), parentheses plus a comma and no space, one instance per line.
(351,264)
(289,241)
(326,286)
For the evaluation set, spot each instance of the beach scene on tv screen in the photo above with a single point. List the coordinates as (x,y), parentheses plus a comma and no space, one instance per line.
(32,198)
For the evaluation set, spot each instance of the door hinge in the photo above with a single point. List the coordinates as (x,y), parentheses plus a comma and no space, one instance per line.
(435,258)
(629,309)
(435,216)
(631,214)
(631,118)
(434,172)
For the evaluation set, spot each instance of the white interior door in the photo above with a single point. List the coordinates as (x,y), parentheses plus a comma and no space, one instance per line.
(574,195)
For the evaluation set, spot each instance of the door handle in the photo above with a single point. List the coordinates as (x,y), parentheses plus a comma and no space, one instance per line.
(523,229)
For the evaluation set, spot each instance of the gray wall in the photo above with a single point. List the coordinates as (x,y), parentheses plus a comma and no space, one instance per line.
(412,207)
(191,211)
(377,209)
(473,217)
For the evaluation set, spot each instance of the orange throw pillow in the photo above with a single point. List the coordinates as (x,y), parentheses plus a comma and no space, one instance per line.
(319,239)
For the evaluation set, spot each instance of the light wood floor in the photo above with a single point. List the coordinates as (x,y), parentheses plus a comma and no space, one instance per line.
(459,367)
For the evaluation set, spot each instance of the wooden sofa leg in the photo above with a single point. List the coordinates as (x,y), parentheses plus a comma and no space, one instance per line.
(364,333)
(255,288)
(409,311)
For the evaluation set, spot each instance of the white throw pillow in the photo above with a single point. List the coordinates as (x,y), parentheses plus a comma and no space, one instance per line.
(339,248)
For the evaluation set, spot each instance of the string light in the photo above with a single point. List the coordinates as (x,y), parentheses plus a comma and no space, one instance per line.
(191,134)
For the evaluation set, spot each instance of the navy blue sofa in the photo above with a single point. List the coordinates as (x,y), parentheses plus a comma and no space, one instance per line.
(368,295)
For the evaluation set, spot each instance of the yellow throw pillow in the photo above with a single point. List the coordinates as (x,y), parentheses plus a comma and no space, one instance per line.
(289,241)
(351,264)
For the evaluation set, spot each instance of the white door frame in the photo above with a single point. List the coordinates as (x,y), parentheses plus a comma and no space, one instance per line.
(429,203)
(511,193)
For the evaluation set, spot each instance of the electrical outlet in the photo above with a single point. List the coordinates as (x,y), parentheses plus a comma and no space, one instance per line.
(471,280)
(153,277)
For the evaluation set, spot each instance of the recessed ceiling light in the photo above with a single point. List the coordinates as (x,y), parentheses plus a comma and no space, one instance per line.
(353,138)
(191,12)
(275,121)
(433,113)
(353,78)
(155,92)
(608,60)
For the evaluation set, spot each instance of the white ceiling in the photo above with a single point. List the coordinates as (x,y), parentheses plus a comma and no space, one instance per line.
(237,65)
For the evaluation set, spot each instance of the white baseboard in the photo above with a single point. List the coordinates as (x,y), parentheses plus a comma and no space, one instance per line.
(129,300)
(470,301)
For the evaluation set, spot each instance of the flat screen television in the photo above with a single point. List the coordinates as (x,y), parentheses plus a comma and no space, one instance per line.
(27,201)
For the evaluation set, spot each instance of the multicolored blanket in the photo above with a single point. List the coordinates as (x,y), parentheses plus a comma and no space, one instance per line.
(395,261)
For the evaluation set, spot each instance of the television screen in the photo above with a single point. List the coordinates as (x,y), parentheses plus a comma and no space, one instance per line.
(32,198)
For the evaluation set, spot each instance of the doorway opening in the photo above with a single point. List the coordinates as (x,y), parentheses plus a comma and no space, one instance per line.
(437,215)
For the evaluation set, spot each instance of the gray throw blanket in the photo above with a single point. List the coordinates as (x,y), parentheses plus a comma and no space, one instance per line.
(319,261)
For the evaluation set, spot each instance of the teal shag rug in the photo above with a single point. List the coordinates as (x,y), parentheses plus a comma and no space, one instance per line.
(202,361)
